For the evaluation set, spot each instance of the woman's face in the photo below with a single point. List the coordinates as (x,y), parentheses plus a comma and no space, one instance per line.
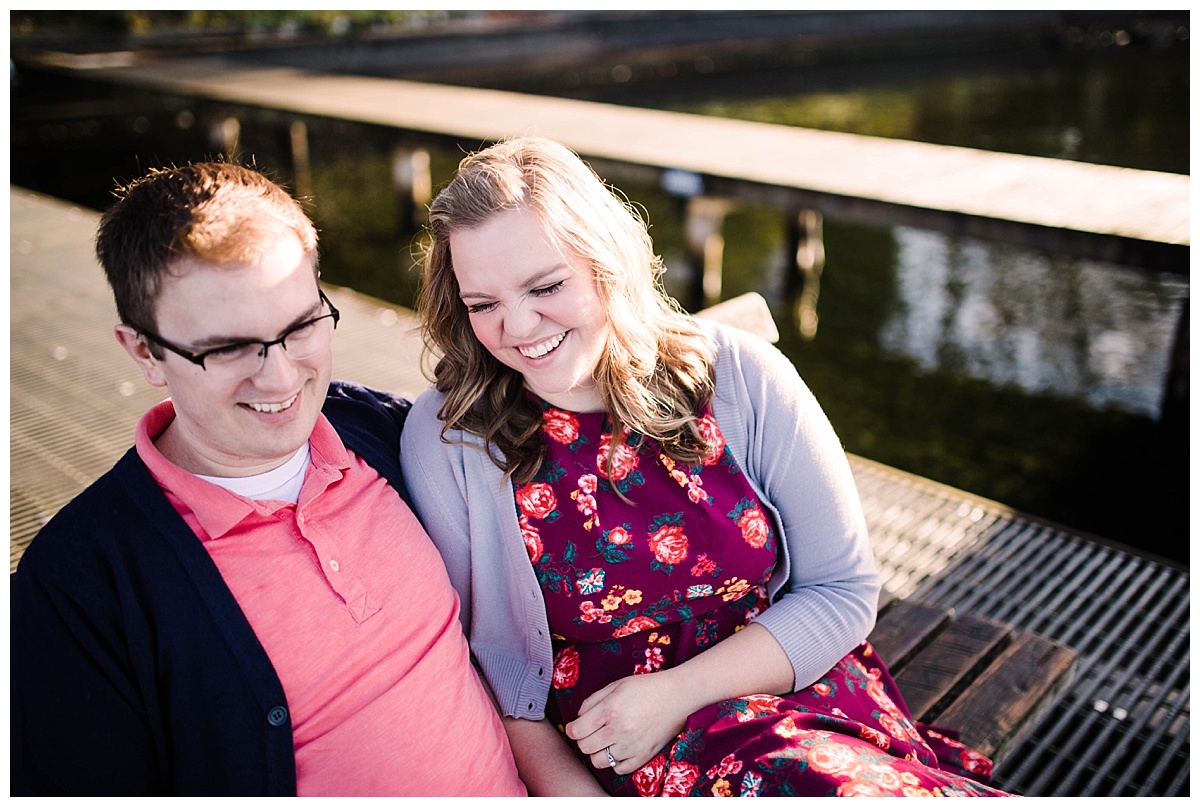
(532,306)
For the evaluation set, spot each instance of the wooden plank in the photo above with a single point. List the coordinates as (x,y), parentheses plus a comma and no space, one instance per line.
(748,311)
(1007,700)
(1146,205)
(904,628)
(959,653)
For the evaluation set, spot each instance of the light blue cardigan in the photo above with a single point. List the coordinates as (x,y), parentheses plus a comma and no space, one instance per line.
(824,590)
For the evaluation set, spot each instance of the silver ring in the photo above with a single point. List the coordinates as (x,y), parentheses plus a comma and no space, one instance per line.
(612,761)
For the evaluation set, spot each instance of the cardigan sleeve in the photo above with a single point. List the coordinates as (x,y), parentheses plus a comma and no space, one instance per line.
(78,722)
(436,485)
(826,605)
(467,507)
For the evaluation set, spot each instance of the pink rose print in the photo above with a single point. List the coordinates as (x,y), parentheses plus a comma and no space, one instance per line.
(586,505)
(536,499)
(892,726)
(680,779)
(619,536)
(834,758)
(975,762)
(703,566)
(566,668)
(707,426)
(587,483)
(533,541)
(669,545)
(875,688)
(590,613)
(755,528)
(649,777)
(654,661)
(729,765)
(562,427)
(891,779)
(624,461)
(757,705)
(865,789)
(638,623)
(876,738)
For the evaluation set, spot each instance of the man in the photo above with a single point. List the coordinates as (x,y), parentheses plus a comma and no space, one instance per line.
(245,603)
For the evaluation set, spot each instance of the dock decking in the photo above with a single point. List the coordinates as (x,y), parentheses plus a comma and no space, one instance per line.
(1121,728)
(831,170)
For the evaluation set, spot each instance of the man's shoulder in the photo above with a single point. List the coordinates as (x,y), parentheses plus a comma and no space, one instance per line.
(348,393)
(93,523)
(361,409)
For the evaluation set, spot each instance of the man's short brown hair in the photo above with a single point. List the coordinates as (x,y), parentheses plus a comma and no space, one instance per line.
(215,211)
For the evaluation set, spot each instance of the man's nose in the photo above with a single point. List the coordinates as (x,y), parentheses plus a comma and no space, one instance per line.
(277,366)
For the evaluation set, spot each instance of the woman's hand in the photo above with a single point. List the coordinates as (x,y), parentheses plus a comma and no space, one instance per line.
(633,718)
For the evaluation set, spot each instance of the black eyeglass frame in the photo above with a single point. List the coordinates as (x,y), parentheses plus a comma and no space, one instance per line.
(198,358)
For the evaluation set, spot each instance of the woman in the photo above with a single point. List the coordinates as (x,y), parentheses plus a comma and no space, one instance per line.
(620,489)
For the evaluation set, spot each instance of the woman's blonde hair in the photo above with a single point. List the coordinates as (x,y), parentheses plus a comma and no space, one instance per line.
(655,373)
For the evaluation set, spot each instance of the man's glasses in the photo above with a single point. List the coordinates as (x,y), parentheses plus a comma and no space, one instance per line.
(244,359)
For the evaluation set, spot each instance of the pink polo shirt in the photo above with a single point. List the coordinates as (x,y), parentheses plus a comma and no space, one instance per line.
(350,599)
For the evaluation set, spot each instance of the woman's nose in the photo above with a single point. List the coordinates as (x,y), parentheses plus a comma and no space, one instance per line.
(522,319)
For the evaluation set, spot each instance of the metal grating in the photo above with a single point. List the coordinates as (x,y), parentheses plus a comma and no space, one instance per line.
(1121,728)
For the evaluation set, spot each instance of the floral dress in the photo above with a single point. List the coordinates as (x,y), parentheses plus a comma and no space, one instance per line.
(649,565)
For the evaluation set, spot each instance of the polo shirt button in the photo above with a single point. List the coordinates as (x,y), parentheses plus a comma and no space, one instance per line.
(333,564)
(277,716)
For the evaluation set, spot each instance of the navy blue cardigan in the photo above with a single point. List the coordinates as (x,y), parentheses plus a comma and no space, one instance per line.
(133,670)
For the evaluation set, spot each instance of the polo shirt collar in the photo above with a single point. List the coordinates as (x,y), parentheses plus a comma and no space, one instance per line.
(216,509)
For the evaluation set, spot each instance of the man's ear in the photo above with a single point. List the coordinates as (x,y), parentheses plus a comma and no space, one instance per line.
(139,349)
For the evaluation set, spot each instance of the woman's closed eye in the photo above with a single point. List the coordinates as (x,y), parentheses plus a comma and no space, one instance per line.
(545,291)
(540,291)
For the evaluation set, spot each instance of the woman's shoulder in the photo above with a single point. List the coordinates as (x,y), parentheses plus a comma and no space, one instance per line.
(744,349)
(427,403)
(423,427)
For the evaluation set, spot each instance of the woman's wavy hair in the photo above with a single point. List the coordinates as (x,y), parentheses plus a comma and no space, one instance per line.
(656,370)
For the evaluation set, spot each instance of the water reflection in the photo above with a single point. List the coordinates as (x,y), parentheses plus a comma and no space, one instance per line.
(1070,327)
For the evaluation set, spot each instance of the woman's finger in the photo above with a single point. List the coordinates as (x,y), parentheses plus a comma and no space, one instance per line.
(605,758)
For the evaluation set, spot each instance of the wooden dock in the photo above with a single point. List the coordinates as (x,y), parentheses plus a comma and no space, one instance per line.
(1121,728)
(1100,209)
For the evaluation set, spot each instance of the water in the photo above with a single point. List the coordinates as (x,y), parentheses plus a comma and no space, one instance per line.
(1032,378)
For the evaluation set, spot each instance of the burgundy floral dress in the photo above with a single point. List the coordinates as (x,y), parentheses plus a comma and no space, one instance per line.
(636,586)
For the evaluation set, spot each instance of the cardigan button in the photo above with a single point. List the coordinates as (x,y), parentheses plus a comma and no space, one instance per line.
(277,716)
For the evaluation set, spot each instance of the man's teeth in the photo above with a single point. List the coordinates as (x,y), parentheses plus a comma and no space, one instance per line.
(541,349)
(272,407)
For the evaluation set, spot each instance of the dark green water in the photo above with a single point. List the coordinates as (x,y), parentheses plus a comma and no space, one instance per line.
(1031,378)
